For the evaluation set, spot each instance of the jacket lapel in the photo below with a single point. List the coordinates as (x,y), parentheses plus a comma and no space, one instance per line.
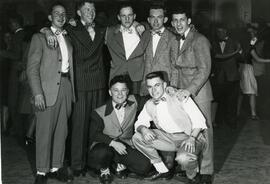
(163,42)
(109,111)
(119,42)
(128,111)
(187,41)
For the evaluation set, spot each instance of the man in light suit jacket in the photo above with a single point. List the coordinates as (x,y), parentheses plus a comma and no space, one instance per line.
(179,128)
(90,82)
(192,65)
(50,74)
(157,55)
(127,47)
(111,130)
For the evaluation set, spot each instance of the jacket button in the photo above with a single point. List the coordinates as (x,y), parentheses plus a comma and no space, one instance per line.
(59,72)
(60,60)
(58,83)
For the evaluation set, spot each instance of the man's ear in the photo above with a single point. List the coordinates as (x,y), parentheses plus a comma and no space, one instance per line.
(110,93)
(50,17)
(118,17)
(79,13)
(148,20)
(134,16)
(165,85)
(165,20)
(189,21)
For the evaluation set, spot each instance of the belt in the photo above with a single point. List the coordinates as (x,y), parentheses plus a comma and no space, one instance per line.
(65,74)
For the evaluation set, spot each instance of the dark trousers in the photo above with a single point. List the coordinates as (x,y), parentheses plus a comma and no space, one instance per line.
(87,101)
(226,95)
(103,156)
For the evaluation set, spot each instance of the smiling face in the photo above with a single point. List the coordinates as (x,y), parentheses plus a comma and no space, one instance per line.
(87,13)
(156,18)
(58,16)
(126,17)
(180,22)
(119,92)
(156,87)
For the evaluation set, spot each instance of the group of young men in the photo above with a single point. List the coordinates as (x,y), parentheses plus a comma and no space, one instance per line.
(106,135)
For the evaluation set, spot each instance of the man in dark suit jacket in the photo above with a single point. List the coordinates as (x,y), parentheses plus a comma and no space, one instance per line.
(157,54)
(111,130)
(192,65)
(15,55)
(127,47)
(51,79)
(226,76)
(88,41)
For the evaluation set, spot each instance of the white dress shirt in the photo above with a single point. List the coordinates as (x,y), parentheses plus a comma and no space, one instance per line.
(64,51)
(131,40)
(182,41)
(120,113)
(166,121)
(155,40)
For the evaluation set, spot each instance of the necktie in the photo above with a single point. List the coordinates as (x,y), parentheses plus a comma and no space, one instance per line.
(180,37)
(156,101)
(120,105)
(90,29)
(58,32)
(159,33)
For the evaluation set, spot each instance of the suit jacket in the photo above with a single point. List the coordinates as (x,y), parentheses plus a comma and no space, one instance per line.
(105,125)
(44,68)
(88,57)
(161,61)
(192,65)
(226,69)
(134,65)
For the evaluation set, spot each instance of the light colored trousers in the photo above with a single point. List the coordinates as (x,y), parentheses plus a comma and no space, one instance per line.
(51,130)
(171,142)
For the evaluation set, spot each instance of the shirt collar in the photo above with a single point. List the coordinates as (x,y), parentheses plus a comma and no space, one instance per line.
(53,29)
(19,29)
(110,106)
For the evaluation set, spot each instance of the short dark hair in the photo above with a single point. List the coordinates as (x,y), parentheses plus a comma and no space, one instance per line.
(125,5)
(182,10)
(56,3)
(157,74)
(220,25)
(16,18)
(121,79)
(82,3)
(155,6)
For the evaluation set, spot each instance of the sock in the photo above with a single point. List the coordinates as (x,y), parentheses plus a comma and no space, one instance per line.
(54,169)
(104,171)
(41,173)
(161,167)
(120,167)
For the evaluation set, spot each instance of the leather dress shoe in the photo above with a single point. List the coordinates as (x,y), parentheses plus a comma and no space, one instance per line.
(29,140)
(121,174)
(195,180)
(40,179)
(156,175)
(58,175)
(105,178)
(206,179)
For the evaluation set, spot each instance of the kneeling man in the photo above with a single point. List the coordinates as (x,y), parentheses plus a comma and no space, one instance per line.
(179,126)
(111,131)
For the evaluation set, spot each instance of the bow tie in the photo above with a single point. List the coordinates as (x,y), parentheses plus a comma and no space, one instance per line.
(159,33)
(120,105)
(156,101)
(58,32)
(126,30)
(222,40)
(180,37)
(90,25)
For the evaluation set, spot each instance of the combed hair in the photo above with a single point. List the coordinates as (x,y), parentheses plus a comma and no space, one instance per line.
(82,3)
(16,18)
(181,10)
(121,79)
(125,5)
(157,74)
(155,6)
(56,3)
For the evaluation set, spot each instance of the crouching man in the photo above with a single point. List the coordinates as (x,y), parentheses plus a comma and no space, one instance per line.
(179,126)
(111,131)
